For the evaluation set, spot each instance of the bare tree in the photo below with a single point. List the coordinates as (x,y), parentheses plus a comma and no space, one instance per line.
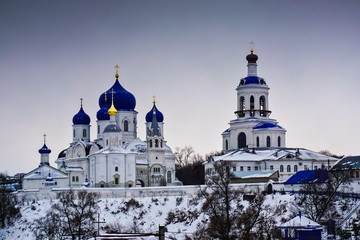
(73,215)
(8,204)
(183,156)
(317,200)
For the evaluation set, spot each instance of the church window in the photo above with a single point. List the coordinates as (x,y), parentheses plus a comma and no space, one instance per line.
(77,178)
(156,143)
(279,141)
(234,169)
(226,145)
(156,170)
(169,176)
(262,106)
(84,132)
(150,143)
(241,168)
(249,168)
(74,133)
(252,106)
(242,103)
(281,168)
(268,141)
(161,143)
(242,140)
(271,167)
(73,178)
(107,142)
(116,180)
(116,169)
(288,168)
(126,126)
(141,173)
(256,168)
(98,129)
(295,168)
(257,142)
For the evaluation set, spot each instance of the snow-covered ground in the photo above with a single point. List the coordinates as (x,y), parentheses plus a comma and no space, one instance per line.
(146,217)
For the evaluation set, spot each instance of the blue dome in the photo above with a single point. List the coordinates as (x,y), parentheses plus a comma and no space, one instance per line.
(159,115)
(252,80)
(44,149)
(81,118)
(103,114)
(265,125)
(123,100)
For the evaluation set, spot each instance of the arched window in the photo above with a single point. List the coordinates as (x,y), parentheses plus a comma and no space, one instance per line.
(98,129)
(150,143)
(156,143)
(262,106)
(126,126)
(169,176)
(281,168)
(73,178)
(279,141)
(242,140)
(77,178)
(226,145)
(161,143)
(74,133)
(288,168)
(257,142)
(252,106)
(295,168)
(242,103)
(268,141)
(84,132)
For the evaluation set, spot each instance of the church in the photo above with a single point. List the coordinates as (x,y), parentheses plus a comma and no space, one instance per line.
(117,157)
(256,143)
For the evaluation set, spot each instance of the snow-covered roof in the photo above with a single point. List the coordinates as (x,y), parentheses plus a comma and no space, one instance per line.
(299,222)
(348,163)
(43,171)
(260,154)
(253,174)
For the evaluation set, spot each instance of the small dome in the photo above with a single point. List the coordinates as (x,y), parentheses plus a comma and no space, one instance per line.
(103,114)
(252,58)
(252,80)
(81,118)
(112,128)
(123,100)
(159,115)
(44,149)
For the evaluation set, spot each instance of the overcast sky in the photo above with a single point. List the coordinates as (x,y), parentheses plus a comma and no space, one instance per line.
(191,55)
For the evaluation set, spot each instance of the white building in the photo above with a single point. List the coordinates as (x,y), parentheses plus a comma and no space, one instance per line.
(117,157)
(254,141)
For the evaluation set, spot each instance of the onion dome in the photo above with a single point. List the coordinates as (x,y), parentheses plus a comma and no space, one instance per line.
(123,100)
(44,149)
(112,128)
(252,80)
(252,58)
(150,114)
(103,114)
(81,118)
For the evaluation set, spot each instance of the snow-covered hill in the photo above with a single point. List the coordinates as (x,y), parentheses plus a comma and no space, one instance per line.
(128,215)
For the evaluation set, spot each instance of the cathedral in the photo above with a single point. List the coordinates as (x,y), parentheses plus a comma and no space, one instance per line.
(117,157)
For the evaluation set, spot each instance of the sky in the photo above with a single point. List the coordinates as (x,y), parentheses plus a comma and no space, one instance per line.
(190,55)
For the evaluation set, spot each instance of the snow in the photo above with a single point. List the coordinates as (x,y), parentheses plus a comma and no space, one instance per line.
(152,212)
(300,221)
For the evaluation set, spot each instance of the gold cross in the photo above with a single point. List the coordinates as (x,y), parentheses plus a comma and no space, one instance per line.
(252,46)
(117,68)
(81,101)
(44,138)
(154,99)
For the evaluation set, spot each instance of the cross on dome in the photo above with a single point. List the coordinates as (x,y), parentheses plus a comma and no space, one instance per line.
(81,100)
(44,138)
(117,71)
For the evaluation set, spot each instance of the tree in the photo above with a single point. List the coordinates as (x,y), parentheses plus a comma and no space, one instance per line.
(189,166)
(183,156)
(9,210)
(228,217)
(73,215)
(317,199)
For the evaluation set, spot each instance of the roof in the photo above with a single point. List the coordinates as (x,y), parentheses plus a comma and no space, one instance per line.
(260,154)
(81,118)
(159,115)
(267,125)
(43,171)
(253,174)
(309,176)
(252,80)
(348,163)
(112,128)
(299,222)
